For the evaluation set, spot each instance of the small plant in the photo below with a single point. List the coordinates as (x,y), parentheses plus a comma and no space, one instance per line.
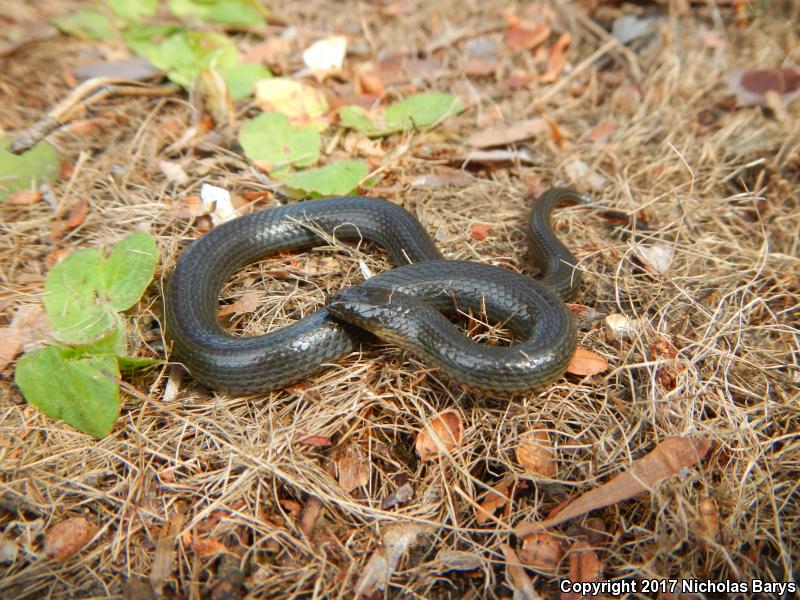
(84,296)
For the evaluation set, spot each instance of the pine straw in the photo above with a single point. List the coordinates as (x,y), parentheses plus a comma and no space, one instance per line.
(715,184)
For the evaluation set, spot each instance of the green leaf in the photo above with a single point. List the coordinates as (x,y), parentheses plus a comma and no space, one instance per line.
(142,38)
(129,363)
(83,293)
(240,78)
(40,163)
(355,117)
(86,24)
(184,54)
(71,389)
(415,112)
(232,12)
(129,269)
(270,139)
(421,110)
(331,180)
(113,343)
(134,10)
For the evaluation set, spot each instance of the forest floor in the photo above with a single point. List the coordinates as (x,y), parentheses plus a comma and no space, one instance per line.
(318,490)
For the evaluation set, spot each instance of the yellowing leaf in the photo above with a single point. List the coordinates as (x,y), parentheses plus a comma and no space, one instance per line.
(301,103)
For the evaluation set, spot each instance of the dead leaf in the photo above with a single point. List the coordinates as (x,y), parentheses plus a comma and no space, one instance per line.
(247,303)
(137,69)
(164,556)
(585,362)
(708,518)
(501,135)
(23,197)
(557,59)
(663,350)
(584,315)
(174,172)
(627,99)
(367,82)
(457,560)
(618,327)
(67,537)
(76,216)
(383,563)
(217,202)
(442,177)
(656,258)
(317,441)
(579,172)
(208,546)
(542,552)
(353,470)
(217,99)
(479,231)
(600,133)
(480,67)
(526,35)
(667,459)
(28,326)
(496,498)
(442,435)
(400,496)
(752,86)
(499,156)
(309,515)
(536,454)
(326,55)
(516,577)
(584,566)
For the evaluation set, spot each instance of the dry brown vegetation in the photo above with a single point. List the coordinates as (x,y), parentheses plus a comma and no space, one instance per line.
(198,492)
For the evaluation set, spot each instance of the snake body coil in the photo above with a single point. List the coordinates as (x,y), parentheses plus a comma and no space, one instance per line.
(404,305)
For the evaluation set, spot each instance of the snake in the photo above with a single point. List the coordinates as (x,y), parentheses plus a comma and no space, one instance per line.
(408,305)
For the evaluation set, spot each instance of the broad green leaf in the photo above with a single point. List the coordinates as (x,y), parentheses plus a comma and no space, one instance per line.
(421,110)
(133,10)
(112,343)
(236,12)
(38,164)
(415,112)
(129,363)
(331,180)
(86,24)
(232,12)
(240,78)
(129,269)
(270,139)
(355,117)
(184,54)
(71,389)
(143,37)
(85,291)
(72,298)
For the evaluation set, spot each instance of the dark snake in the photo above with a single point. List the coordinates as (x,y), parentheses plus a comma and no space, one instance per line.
(406,305)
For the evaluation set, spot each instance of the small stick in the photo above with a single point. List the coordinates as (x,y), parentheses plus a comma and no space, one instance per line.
(88,93)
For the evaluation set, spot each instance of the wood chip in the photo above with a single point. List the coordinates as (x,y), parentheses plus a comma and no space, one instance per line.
(542,552)
(516,577)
